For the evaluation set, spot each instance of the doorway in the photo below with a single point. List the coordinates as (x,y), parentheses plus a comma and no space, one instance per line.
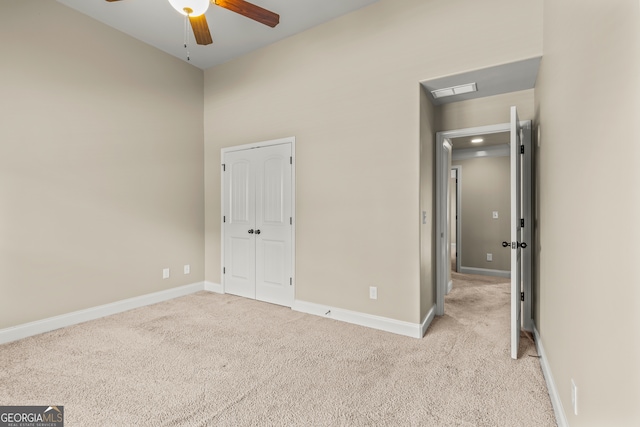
(443,219)
(484,207)
(258,221)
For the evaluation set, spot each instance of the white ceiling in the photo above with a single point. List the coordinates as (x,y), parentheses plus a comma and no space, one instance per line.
(156,23)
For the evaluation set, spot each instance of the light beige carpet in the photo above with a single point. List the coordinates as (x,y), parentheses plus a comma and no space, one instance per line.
(220,360)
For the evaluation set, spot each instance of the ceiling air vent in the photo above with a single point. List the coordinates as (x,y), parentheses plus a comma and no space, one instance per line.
(454,90)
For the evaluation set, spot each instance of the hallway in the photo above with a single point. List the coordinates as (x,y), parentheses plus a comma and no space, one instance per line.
(477,312)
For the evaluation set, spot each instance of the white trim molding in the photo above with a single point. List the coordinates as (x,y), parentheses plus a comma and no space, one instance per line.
(427,320)
(25,330)
(558,410)
(414,330)
(214,287)
(485,272)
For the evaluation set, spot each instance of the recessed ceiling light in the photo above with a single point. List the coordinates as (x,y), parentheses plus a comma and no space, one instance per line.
(477,140)
(454,90)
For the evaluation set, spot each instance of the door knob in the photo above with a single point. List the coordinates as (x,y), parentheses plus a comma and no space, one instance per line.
(257,231)
(251,231)
(522,245)
(506,244)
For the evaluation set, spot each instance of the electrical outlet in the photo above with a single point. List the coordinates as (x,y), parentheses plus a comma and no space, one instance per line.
(187,269)
(574,396)
(373,292)
(165,273)
(489,257)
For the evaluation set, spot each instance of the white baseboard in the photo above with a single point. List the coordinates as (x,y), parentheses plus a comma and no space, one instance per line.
(400,327)
(485,272)
(561,418)
(214,287)
(427,320)
(45,325)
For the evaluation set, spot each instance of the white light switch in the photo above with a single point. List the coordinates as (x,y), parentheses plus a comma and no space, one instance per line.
(187,269)
(165,273)
(489,257)
(373,292)
(495,214)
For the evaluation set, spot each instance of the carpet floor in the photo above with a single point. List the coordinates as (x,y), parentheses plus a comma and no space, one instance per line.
(220,360)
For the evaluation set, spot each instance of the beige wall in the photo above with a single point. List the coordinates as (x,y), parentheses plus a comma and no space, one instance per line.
(101,173)
(485,111)
(588,312)
(485,188)
(427,204)
(348,91)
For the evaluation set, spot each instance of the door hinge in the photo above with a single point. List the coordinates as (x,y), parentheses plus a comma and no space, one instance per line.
(224,219)
(224,270)
(224,168)
(290,220)
(290,160)
(522,222)
(521,296)
(522,149)
(290,281)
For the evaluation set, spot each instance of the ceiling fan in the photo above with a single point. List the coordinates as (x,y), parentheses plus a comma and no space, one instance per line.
(195,11)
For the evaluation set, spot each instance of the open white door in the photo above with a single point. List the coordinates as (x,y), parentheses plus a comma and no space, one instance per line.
(516,201)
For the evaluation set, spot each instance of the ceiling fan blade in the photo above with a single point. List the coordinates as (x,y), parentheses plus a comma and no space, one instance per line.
(201,29)
(112,0)
(251,11)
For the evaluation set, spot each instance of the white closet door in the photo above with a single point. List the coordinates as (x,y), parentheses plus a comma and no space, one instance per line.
(273,225)
(239,223)
(258,223)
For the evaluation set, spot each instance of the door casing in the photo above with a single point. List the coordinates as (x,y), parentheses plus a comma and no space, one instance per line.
(443,165)
(458,224)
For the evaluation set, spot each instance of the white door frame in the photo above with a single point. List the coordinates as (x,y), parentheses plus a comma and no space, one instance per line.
(443,260)
(288,140)
(458,169)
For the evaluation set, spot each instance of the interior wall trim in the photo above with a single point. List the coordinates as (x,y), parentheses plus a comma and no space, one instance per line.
(558,409)
(25,330)
(213,287)
(414,330)
(485,272)
(427,320)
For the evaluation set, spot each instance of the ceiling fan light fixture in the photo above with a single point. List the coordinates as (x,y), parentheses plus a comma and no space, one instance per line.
(192,8)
